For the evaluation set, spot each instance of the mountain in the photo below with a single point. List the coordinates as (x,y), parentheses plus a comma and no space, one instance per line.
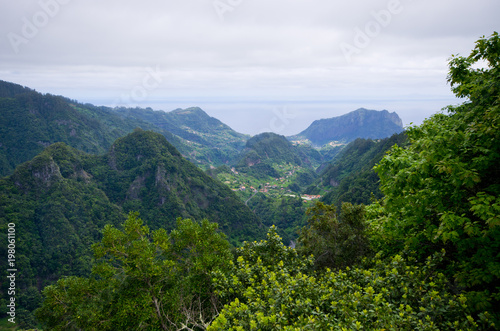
(144,172)
(60,200)
(350,176)
(209,140)
(271,147)
(361,123)
(267,175)
(31,121)
(265,152)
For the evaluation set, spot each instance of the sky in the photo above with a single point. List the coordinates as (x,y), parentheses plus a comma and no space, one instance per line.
(273,65)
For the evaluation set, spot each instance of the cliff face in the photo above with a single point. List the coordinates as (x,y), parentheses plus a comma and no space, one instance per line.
(361,123)
(394,118)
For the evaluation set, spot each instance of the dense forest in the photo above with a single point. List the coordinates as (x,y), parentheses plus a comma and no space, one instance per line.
(404,239)
(350,177)
(61,194)
(61,200)
(31,121)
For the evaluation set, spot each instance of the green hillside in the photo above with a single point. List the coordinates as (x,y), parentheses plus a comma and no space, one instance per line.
(31,121)
(143,172)
(264,151)
(62,198)
(207,140)
(350,176)
(423,255)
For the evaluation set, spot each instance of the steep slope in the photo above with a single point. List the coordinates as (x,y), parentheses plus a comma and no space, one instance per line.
(273,148)
(58,211)
(266,152)
(60,201)
(210,141)
(144,172)
(30,121)
(361,123)
(350,176)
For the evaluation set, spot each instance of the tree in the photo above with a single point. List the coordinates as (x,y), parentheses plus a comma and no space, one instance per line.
(443,190)
(334,242)
(273,288)
(142,280)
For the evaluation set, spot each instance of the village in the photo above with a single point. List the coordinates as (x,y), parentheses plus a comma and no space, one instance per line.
(247,186)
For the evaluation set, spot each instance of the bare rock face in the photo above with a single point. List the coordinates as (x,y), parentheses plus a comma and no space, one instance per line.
(39,174)
(48,173)
(135,188)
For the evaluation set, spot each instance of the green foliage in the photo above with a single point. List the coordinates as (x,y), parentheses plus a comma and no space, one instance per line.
(259,171)
(202,139)
(270,145)
(27,301)
(329,152)
(144,172)
(443,190)
(31,121)
(335,242)
(62,199)
(350,176)
(255,262)
(58,213)
(437,226)
(286,213)
(272,290)
(142,280)
(305,179)
(271,148)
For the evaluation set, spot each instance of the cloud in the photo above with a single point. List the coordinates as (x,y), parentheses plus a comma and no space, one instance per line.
(261,51)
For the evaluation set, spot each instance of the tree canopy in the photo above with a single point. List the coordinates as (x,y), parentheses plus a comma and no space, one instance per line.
(443,190)
(142,280)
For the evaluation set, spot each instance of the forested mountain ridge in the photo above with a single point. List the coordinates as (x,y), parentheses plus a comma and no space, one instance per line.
(31,121)
(144,172)
(209,140)
(274,148)
(269,157)
(58,211)
(361,123)
(273,176)
(62,198)
(350,177)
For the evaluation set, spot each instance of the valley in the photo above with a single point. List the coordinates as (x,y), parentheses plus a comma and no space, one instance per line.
(275,187)
(267,172)
(69,169)
(129,218)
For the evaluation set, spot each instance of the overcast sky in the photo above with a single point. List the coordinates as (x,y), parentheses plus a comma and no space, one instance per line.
(257,65)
